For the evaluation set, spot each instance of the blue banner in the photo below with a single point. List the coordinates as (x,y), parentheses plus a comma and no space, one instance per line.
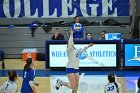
(132,55)
(63,8)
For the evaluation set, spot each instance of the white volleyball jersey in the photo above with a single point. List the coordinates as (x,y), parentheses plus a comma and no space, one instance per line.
(111,88)
(9,87)
(73,60)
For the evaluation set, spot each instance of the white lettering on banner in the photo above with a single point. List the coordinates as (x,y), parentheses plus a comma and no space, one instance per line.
(65,6)
(36,13)
(45,8)
(105,6)
(70,7)
(6,8)
(83,8)
(94,9)
(27,9)
(17,8)
(54,13)
(136,50)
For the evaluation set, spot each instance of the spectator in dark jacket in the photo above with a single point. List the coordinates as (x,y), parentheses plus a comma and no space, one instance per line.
(57,35)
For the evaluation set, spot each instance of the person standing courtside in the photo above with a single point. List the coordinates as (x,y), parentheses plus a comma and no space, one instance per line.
(10,86)
(78,29)
(28,84)
(72,68)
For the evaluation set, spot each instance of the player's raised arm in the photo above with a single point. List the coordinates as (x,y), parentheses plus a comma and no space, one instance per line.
(84,49)
(70,41)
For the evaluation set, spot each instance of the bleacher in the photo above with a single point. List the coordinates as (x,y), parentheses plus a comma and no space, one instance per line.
(15,34)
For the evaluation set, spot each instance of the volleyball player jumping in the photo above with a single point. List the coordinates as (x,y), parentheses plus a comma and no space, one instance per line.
(72,68)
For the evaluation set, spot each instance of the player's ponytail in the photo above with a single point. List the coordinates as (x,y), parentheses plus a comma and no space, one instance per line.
(28,63)
(111,79)
(12,75)
(116,87)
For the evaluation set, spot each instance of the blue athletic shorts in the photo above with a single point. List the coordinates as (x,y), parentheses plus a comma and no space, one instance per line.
(71,70)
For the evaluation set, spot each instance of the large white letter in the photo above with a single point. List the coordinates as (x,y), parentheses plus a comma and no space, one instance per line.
(7,11)
(65,6)
(83,8)
(93,9)
(136,50)
(46,10)
(27,9)
(105,6)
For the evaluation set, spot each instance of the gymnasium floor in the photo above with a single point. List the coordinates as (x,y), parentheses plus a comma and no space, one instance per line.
(91,82)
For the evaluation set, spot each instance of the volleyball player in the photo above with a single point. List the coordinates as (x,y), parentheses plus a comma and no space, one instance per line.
(28,85)
(72,68)
(10,86)
(112,86)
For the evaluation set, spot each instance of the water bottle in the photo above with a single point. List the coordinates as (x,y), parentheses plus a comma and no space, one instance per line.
(100,23)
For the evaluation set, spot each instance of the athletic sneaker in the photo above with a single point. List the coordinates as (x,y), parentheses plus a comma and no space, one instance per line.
(58,84)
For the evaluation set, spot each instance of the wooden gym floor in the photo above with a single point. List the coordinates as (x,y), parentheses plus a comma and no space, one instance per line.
(128,79)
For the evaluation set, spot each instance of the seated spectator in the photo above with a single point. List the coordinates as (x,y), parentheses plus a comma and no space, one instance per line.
(112,86)
(78,29)
(57,35)
(88,36)
(138,84)
(102,37)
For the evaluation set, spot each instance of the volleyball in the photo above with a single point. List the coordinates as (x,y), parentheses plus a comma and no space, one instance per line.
(77,26)
(82,55)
